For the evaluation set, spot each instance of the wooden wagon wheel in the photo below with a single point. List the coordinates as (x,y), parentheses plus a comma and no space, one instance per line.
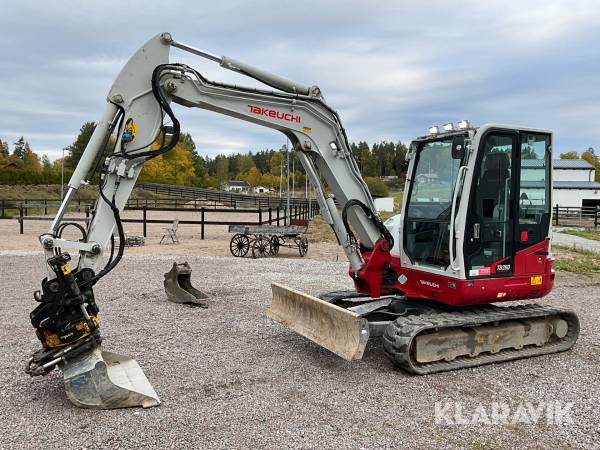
(261,247)
(275,244)
(302,243)
(239,245)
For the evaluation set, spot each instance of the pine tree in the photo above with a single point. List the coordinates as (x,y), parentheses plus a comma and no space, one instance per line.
(46,164)
(76,149)
(19,148)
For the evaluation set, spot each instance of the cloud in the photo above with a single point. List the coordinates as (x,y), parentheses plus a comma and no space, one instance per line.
(391,69)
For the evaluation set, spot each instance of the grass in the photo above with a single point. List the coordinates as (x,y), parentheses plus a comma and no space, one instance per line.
(576,260)
(587,233)
(320,231)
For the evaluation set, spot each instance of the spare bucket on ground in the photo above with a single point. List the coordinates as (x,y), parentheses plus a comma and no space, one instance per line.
(178,286)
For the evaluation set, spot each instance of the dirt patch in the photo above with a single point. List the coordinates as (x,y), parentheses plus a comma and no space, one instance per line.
(215,243)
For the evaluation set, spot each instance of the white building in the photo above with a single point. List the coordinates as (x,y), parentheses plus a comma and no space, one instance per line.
(260,189)
(236,186)
(573,183)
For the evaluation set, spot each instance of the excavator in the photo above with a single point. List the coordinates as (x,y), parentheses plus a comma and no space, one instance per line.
(474,231)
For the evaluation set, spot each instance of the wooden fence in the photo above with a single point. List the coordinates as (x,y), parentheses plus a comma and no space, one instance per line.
(269,216)
(573,216)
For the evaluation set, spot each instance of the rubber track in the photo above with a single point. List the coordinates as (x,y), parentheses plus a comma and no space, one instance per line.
(399,335)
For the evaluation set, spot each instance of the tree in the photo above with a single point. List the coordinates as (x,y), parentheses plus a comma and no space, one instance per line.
(222,169)
(528,153)
(174,167)
(243,164)
(589,156)
(400,161)
(31,160)
(368,163)
(269,180)
(253,177)
(4,151)
(276,163)
(19,148)
(76,149)
(46,164)
(377,187)
(569,155)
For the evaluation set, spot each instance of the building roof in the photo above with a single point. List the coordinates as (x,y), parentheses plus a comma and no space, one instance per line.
(533,163)
(527,184)
(576,185)
(571,164)
(238,183)
(577,164)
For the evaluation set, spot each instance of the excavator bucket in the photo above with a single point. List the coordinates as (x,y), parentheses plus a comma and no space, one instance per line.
(338,330)
(178,286)
(105,380)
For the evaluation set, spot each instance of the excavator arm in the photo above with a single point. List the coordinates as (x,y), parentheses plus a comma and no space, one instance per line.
(66,320)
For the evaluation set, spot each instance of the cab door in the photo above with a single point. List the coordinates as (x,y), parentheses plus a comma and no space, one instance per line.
(533,202)
(509,210)
(490,227)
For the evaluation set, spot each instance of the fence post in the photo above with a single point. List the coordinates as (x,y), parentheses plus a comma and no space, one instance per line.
(144,217)
(596,218)
(21,219)
(3,212)
(278,216)
(202,223)
(45,207)
(556,215)
(259,216)
(270,216)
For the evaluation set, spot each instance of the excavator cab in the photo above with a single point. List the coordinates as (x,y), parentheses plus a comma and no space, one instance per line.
(480,212)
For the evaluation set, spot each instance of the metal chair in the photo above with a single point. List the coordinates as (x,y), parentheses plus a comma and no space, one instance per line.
(171,233)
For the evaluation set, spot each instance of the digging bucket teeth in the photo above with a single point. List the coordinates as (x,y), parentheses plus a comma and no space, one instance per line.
(178,286)
(105,380)
(338,330)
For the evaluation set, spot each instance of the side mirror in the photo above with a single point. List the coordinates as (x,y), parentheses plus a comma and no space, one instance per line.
(458,147)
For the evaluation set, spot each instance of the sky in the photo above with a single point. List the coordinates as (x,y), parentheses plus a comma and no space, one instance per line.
(390,68)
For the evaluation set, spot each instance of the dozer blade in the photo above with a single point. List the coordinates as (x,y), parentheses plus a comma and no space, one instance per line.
(338,330)
(105,380)
(178,286)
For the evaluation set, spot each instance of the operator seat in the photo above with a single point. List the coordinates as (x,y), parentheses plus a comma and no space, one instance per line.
(491,189)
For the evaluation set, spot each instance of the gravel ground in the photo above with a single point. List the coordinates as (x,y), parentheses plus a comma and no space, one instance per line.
(230,378)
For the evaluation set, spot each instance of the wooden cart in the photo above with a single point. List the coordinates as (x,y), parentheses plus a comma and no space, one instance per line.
(266,240)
